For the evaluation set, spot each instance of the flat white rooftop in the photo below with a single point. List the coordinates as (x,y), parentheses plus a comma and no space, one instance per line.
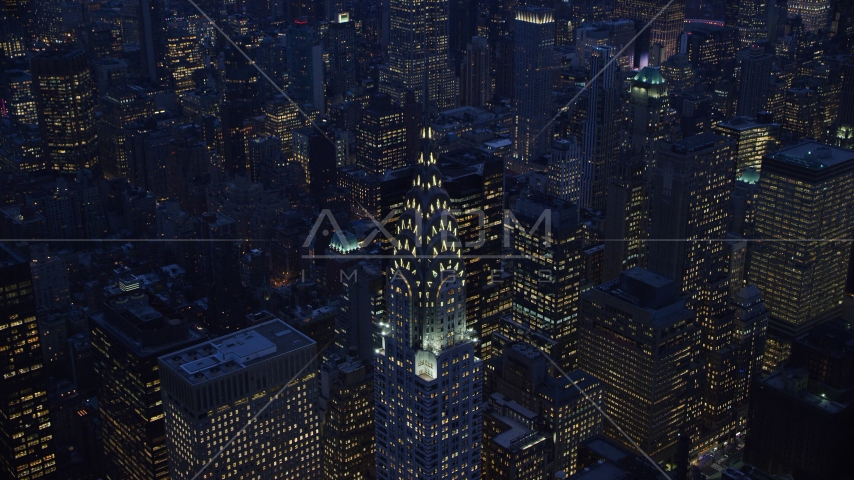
(235,351)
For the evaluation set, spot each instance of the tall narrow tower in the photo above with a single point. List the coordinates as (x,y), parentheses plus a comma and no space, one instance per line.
(533,45)
(428,383)
(418,46)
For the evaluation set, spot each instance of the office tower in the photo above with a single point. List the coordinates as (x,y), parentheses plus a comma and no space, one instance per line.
(523,375)
(546,276)
(650,115)
(750,331)
(754,138)
(754,19)
(513,445)
(565,169)
(475,184)
(281,118)
(418,54)
(315,152)
(265,157)
(381,137)
(789,401)
(678,73)
(532,81)
(25,429)
(627,218)
(18,98)
(213,389)
(65,100)
(341,41)
(815,14)
(427,361)
(152,40)
(691,188)
(600,141)
(803,115)
(640,339)
(305,66)
(184,58)
(803,281)
(665,29)
(476,81)
(613,33)
(692,182)
(128,335)
(845,114)
(120,107)
(362,309)
(709,45)
(347,418)
(50,278)
(754,70)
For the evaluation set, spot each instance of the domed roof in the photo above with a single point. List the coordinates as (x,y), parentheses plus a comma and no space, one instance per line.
(649,75)
(750,176)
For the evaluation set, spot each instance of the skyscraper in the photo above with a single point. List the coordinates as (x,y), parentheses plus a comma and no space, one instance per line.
(65,99)
(152,40)
(665,29)
(804,194)
(754,139)
(532,80)
(692,182)
(128,336)
(427,362)
(600,141)
(305,65)
(649,112)
(347,409)
(211,390)
(754,72)
(418,54)
(341,41)
(547,275)
(522,375)
(565,168)
(640,339)
(25,429)
(381,137)
(476,82)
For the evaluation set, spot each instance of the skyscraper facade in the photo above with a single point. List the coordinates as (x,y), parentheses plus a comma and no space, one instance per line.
(25,428)
(547,272)
(639,324)
(754,72)
(666,28)
(128,336)
(476,82)
(692,183)
(532,79)
(649,111)
(64,92)
(428,387)
(381,137)
(804,194)
(754,139)
(305,66)
(211,390)
(600,141)
(418,54)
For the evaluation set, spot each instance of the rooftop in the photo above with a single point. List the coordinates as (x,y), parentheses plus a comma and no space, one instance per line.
(813,155)
(792,382)
(741,124)
(649,75)
(234,352)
